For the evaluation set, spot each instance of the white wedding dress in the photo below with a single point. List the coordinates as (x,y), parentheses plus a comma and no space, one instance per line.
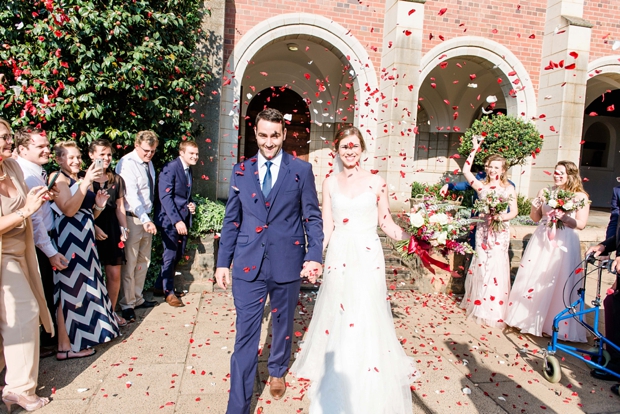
(351,353)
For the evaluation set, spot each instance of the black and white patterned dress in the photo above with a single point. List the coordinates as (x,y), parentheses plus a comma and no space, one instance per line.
(79,288)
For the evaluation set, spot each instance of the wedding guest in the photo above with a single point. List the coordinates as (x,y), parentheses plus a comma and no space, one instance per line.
(488,283)
(111,224)
(84,319)
(540,290)
(33,148)
(137,170)
(22,300)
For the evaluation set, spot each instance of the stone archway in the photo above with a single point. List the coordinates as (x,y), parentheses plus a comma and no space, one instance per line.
(462,79)
(303,50)
(600,159)
(298,127)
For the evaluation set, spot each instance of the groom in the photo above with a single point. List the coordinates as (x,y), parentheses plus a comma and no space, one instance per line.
(274,232)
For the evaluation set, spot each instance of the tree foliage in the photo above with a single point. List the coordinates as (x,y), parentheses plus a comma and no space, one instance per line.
(88,69)
(510,137)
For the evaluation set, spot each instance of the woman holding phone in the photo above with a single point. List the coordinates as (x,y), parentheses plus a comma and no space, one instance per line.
(111,225)
(84,312)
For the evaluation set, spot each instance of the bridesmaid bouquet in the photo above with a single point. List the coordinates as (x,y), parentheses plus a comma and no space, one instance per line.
(561,200)
(436,228)
(492,205)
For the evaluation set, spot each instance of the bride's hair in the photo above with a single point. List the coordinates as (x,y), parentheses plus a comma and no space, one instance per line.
(573,181)
(345,132)
(497,157)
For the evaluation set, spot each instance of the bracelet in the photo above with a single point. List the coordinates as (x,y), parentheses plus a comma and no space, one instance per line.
(20,213)
(96,207)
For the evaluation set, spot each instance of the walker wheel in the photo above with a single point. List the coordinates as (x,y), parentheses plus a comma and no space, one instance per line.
(551,369)
(603,363)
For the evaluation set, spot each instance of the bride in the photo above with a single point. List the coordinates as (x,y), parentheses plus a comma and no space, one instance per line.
(351,353)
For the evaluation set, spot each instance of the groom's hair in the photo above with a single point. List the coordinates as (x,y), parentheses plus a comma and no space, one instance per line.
(270,115)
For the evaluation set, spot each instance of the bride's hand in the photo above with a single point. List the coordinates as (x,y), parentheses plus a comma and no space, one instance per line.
(476,140)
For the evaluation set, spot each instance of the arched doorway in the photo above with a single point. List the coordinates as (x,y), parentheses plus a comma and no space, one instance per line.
(600,160)
(297,119)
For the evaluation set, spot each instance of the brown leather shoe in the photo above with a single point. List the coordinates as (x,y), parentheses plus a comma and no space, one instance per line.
(173,301)
(277,387)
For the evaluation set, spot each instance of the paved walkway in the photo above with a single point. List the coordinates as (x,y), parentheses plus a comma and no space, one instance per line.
(176,361)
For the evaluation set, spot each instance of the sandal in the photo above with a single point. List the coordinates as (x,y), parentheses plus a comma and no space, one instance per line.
(120,320)
(28,403)
(75,356)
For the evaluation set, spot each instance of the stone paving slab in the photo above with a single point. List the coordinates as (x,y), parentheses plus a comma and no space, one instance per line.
(177,361)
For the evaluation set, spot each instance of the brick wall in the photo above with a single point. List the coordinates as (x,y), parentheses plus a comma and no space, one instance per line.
(363,18)
(605,16)
(502,21)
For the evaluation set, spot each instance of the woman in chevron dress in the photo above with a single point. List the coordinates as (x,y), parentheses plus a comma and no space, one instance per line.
(84,311)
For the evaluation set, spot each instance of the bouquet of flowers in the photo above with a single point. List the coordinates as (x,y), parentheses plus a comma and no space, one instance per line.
(436,228)
(561,200)
(492,205)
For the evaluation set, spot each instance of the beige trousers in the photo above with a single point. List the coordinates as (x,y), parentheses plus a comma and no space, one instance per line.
(19,328)
(138,256)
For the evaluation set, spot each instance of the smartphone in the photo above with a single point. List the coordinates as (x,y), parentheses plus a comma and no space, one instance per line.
(53,181)
(99,163)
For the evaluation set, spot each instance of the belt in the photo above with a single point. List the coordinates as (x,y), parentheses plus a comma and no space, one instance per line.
(131,214)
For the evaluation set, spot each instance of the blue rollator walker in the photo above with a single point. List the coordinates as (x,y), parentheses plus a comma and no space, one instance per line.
(596,357)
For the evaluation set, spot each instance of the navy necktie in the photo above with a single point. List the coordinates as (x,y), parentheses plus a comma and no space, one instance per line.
(267,180)
(44,175)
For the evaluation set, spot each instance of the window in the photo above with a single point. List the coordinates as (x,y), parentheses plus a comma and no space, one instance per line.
(595,150)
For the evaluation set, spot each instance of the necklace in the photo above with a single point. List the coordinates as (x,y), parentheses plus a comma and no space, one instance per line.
(3,176)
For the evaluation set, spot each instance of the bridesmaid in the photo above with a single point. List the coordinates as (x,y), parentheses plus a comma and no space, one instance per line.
(547,265)
(84,314)
(488,281)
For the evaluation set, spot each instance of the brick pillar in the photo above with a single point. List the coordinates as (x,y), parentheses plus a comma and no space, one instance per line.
(399,85)
(562,90)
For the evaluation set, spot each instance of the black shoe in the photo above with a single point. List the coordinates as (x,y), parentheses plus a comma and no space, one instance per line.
(147,304)
(614,389)
(129,315)
(158,292)
(602,375)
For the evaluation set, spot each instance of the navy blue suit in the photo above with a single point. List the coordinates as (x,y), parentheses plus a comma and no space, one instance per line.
(174,194)
(269,239)
(613,218)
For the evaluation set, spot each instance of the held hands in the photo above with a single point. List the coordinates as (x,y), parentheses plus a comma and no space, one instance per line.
(150,228)
(181,228)
(222,277)
(311,270)
(192,208)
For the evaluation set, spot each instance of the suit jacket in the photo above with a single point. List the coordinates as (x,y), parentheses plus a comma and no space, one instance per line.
(613,218)
(287,226)
(174,193)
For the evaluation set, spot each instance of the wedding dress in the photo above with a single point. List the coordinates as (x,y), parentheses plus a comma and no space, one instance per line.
(351,353)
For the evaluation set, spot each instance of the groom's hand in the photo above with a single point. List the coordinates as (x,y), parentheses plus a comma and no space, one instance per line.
(312,270)
(222,277)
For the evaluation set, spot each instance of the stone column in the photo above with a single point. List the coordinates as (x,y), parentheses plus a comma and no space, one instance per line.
(402,52)
(207,115)
(562,89)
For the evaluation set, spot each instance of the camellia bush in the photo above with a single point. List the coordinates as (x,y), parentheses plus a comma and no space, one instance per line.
(88,69)
(512,138)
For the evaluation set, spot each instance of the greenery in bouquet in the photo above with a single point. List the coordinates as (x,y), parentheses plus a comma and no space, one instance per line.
(492,205)
(437,227)
(559,199)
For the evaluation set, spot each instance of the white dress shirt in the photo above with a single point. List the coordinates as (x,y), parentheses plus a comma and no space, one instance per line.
(137,190)
(42,219)
(275,168)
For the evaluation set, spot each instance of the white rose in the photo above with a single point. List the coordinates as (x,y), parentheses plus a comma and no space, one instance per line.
(442,237)
(553,203)
(417,220)
(568,206)
(440,218)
